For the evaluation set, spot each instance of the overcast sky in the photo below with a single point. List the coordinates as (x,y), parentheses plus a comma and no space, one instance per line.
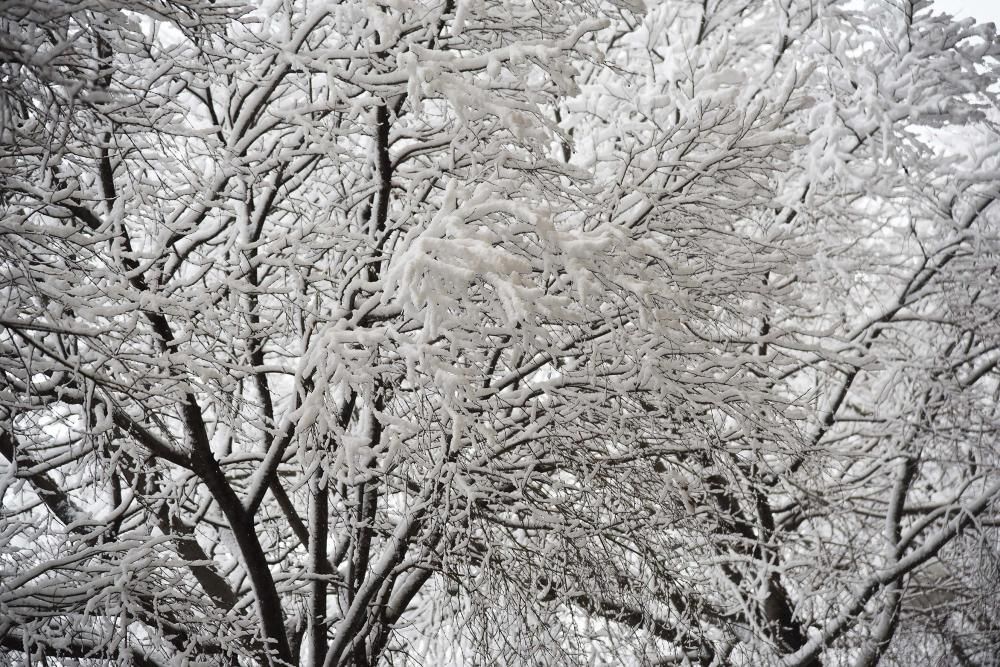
(981,10)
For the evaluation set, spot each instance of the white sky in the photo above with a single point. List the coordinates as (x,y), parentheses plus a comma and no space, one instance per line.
(983,11)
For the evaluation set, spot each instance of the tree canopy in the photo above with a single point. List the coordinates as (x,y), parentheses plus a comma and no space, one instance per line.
(470,332)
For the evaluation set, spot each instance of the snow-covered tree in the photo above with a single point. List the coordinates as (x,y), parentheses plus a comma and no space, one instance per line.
(467,332)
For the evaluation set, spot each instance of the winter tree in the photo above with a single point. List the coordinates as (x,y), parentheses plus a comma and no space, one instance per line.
(471,332)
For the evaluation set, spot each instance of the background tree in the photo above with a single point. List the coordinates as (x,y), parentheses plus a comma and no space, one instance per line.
(519,332)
